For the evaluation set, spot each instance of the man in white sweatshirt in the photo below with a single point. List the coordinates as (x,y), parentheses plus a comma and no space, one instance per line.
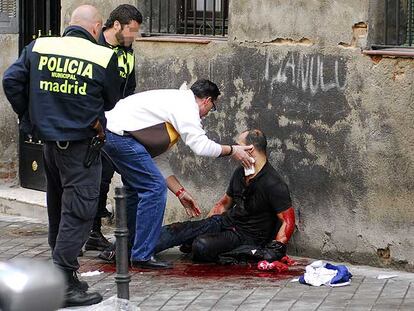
(143,126)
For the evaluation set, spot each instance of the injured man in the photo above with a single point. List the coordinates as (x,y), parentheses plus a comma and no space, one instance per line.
(254,220)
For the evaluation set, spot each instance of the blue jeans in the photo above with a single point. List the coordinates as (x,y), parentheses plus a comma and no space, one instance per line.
(146,192)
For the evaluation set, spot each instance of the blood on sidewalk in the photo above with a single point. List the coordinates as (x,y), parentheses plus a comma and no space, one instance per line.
(184,269)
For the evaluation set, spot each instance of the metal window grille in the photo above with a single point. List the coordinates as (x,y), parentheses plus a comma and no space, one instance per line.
(8,16)
(38,18)
(187,17)
(398,24)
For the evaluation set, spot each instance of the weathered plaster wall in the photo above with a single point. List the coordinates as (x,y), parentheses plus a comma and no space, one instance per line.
(306,21)
(8,119)
(339,124)
(104,6)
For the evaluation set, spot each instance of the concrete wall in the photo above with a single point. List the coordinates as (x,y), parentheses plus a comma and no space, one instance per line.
(339,124)
(8,119)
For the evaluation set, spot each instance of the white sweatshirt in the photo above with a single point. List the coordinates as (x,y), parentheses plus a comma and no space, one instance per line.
(158,118)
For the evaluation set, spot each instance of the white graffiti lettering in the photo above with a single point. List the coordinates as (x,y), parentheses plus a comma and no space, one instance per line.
(308,73)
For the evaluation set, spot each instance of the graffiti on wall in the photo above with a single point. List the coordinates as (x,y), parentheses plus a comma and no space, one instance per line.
(310,73)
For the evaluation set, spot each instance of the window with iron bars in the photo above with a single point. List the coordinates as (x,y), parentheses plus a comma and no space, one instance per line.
(397,24)
(187,17)
(8,16)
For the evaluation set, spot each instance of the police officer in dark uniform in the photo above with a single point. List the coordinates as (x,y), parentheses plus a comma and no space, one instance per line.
(65,84)
(119,32)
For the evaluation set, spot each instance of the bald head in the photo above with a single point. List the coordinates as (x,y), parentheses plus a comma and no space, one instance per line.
(254,137)
(87,17)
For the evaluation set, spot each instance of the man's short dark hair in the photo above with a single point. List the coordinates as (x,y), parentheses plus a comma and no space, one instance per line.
(124,14)
(258,139)
(205,88)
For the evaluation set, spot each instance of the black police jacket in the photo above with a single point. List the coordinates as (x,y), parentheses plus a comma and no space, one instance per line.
(65,83)
(126,66)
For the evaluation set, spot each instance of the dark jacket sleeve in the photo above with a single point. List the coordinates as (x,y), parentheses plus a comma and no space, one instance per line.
(131,84)
(112,84)
(15,82)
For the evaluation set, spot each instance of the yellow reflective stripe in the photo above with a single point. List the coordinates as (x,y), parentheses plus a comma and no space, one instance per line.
(121,62)
(130,61)
(125,61)
(74,47)
(172,133)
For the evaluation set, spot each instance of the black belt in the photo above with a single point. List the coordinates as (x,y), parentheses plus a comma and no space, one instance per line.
(64,144)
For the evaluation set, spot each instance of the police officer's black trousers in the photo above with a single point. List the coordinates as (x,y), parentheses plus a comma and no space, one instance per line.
(72,199)
(107,174)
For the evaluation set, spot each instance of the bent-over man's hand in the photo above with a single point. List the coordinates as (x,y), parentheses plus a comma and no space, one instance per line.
(240,153)
(191,207)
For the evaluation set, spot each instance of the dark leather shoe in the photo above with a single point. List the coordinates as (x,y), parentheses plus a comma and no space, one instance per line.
(108,254)
(152,263)
(186,248)
(76,297)
(96,242)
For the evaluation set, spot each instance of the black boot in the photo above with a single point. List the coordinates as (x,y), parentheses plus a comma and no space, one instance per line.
(97,242)
(75,296)
(83,285)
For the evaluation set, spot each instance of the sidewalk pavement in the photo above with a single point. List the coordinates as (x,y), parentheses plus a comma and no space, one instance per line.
(211,287)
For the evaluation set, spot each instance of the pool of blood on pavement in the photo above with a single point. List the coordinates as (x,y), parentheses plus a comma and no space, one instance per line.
(205,271)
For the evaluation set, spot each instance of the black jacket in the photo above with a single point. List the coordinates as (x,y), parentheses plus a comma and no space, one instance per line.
(64,83)
(126,66)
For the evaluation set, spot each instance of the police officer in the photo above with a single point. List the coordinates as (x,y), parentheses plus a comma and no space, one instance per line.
(66,84)
(119,32)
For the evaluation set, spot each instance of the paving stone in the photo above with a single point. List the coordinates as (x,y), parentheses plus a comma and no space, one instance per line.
(360,303)
(358,308)
(408,302)
(395,289)
(388,302)
(410,291)
(280,304)
(232,300)
(334,296)
(181,300)
(258,299)
(335,302)
(311,304)
(290,293)
(158,299)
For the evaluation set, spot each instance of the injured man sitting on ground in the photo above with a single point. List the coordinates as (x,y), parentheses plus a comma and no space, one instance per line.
(254,220)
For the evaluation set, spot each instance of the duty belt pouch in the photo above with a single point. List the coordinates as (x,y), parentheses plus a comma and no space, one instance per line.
(94,150)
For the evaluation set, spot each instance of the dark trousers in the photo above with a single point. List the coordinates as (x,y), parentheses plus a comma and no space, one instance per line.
(209,237)
(107,174)
(72,199)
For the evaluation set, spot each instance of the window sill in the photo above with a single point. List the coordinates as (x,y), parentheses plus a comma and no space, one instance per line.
(181,39)
(395,52)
